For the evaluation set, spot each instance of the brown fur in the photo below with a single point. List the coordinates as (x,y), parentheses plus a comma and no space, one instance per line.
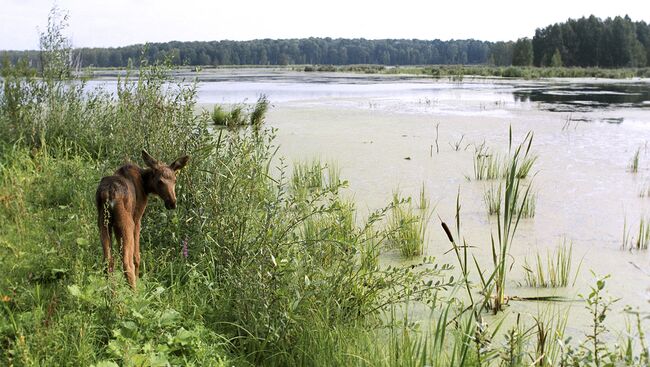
(121,200)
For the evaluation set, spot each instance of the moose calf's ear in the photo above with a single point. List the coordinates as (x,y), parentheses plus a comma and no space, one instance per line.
(179,163)
(148,159)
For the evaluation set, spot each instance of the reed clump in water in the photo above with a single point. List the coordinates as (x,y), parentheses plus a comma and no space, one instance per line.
(554,272)
(493,200)
(640,240)
(634,162)
(487,164)
(407,224)
(241,115)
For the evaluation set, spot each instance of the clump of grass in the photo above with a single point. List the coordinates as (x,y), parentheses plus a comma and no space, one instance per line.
(406,227)
(557,271)
(333,175)
(634,162)
(526,166)
(492,199)
(424,202)
(645,191)
(307,175)
(487,165)
(219,115)
(236,117)
(239,115)
(528,205)
(642,239)
(259,111)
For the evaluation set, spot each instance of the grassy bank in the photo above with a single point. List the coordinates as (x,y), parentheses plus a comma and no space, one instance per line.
(458,72)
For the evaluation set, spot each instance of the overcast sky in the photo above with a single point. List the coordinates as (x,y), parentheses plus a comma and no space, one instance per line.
(124,22)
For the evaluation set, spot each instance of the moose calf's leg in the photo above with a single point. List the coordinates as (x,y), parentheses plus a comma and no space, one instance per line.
(136,249)
(127,259)
(124,227)
(105,237)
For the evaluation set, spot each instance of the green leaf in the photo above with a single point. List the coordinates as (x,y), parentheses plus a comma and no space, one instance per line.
(169,317)
(81,241)
(74,290)
(106,364)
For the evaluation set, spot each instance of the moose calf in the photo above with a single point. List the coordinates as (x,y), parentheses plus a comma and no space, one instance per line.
(121,200)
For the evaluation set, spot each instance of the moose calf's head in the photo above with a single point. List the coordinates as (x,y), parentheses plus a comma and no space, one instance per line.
(162,180)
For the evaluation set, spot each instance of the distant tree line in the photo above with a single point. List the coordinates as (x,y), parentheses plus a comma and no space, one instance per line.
(326,51)
(616,42)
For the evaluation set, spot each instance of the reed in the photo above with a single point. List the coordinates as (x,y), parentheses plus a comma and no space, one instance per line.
(633,166)
(487,165)
(526,166)
(554,272)
(492,199)
(645,191)
(515,197)
(333,175)
(259,111)
(642,239)
(307,175)
(528,205)
(457,145)
(407,226)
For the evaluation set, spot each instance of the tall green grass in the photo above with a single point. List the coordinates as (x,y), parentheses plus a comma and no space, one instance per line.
(515,198)
(407,224)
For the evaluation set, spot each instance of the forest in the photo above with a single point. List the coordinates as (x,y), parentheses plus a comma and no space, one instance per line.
(613,42)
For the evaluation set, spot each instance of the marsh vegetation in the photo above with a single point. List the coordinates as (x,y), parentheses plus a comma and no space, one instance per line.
(266,262)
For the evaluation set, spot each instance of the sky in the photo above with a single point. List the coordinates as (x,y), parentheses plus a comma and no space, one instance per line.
(124,22)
